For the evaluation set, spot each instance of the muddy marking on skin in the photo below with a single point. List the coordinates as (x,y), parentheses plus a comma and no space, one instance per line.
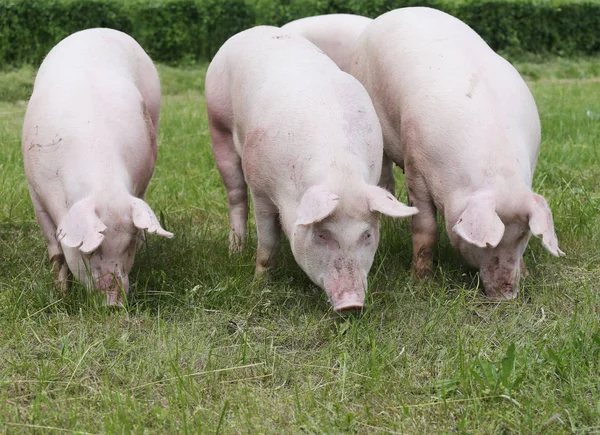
(473,82)
(150,128)
(54,142)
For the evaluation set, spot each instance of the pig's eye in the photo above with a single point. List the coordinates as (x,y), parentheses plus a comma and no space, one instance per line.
(367,235)
(324,236)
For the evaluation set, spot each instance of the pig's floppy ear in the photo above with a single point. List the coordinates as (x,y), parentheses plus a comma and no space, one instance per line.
(541,224)
(81,228)
(382,201)
(145,219)
(316,204)
(479,224)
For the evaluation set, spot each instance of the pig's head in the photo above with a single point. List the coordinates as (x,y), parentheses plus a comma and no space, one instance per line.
(495,245)
(99,242)
(335,239)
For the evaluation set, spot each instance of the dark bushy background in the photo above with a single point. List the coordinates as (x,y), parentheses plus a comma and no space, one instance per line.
(175,31)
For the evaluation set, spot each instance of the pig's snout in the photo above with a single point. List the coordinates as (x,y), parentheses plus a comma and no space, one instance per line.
(501,279)
(348,302)
(346,287)
(502,289)
(113,285)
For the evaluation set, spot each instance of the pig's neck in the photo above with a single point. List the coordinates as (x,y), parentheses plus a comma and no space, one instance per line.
(114,194)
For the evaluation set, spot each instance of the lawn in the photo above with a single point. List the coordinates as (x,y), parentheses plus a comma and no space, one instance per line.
(204,348)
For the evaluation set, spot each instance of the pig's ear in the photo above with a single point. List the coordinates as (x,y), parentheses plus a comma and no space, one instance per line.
(382,201)
(145,219)
(479,224)
(541,224)
(316,204)
(81,228)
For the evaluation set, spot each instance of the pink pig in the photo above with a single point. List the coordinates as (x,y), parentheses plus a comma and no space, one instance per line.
(335,34)
(89,147)
(303,135)
(463,125)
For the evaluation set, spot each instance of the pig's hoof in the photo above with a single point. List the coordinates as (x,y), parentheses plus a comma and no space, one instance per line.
(236,244)
(422,272)
(501,296)
(60,273)
(114,299)
(62,284)
(261,274)
(235,248)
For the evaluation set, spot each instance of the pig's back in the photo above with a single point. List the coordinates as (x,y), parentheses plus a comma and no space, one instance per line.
(275,78)
(454,90)
(335,34)
(107,52)
(290,108)
(93,115)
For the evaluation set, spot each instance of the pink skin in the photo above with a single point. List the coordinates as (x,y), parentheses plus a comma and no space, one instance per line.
(338,252)
(101,256)
(335,34)
(462,124)
(113,285)
(499,266)
(304,137)
(89,148)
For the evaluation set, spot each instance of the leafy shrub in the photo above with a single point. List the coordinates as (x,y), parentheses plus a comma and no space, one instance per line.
(169,30)
(175,31)
(30,28)
(565,29)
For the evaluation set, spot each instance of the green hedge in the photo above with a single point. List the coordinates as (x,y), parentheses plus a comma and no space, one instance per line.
(175,31)
(170,31)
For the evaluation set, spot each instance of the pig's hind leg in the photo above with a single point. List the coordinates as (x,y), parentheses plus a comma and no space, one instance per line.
(229,165)
(55,253)
(268,230)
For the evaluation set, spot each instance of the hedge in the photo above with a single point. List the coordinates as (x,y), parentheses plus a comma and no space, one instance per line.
(170,31)
(175,31)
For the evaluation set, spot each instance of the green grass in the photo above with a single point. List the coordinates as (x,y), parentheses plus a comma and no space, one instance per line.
(203,348)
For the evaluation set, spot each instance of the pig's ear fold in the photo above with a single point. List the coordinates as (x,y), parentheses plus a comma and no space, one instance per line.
(541,224)
(145,219)
(316,204)
(382,201)
(479,224)
(81,228)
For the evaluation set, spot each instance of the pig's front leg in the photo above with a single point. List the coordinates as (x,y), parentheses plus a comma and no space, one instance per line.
(423,227)
(386,181)
(55,253)
(268,230)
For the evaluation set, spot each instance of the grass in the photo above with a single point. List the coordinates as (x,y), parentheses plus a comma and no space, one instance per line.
(203,348)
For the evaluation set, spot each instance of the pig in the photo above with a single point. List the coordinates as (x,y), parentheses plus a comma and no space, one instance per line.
(335,34)
(463,125)
(286,122)
(89,149)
